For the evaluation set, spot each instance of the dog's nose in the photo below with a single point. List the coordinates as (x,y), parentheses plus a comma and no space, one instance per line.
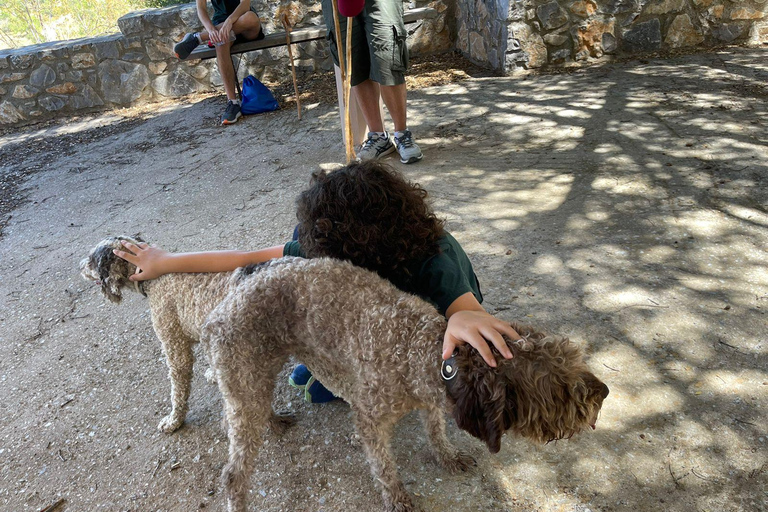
(604,391)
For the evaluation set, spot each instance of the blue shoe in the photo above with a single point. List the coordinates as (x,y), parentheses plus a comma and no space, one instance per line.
(314,391)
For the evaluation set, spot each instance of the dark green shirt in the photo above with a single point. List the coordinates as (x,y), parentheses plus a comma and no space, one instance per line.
(440,279)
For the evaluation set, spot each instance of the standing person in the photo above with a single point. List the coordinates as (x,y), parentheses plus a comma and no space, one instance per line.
(369,214)
(379,62)
(233,20)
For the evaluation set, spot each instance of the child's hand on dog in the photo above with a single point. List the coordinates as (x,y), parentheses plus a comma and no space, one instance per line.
(476,327)
(148,260)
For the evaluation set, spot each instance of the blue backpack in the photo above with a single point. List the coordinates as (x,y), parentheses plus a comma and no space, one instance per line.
(256,97)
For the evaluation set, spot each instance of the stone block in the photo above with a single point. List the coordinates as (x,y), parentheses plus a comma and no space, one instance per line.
(9,114)
(642,37)
(584,8)
(132,23)
(551,15)
(176,83)
(729,32)
(746,13)
(42,76)
(65,88)
(86,98)
(659,7)
(758,33)
(198,72)
(682,33)
(122,82)
(132,42)
(159,48)
(531,45)
(163,18)
(2,91)
(83,60)
(560,56)
(189,17)
(619,6)
(609,43)
(24,92)
(73,76)
(157,68)
(52,103)
(477,48)
(555,39)
(588,38)
(107,48)
(11,77)
(134,56)
(22,60)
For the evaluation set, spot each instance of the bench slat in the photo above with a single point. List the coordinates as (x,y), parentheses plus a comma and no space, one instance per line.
(298,36)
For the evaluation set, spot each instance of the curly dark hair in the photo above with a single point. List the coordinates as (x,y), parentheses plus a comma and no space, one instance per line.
(369,214)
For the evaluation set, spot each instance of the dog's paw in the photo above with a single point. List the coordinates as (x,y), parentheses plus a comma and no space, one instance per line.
(170,424)
(459,462)
(281,421)
(210,376)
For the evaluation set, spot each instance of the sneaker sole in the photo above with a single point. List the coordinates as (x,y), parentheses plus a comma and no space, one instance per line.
(412,160)
(225,122)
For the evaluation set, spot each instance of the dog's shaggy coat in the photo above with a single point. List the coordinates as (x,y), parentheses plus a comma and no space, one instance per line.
(379,349)
(179,304)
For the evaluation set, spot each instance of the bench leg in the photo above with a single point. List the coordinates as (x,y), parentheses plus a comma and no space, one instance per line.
(359,128)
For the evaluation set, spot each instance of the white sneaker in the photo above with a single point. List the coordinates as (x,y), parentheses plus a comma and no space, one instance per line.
(375,146)
(409,150)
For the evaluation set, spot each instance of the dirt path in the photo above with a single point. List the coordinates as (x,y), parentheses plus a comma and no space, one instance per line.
(624,206)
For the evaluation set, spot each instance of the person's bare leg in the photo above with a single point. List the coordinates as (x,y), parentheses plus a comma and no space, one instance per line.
(226,69)
(367,94)
(394,97)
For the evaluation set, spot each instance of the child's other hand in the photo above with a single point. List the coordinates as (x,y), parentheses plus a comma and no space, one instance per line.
(477,327)
(148,260)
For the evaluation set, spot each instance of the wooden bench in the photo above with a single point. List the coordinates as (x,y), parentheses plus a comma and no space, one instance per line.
(298,35)
(314,33)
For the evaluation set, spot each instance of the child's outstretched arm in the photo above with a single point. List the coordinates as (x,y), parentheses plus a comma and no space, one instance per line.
(469,323)
(152,262)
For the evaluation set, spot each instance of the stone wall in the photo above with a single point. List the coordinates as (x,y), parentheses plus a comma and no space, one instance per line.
(507,35)
(137,66)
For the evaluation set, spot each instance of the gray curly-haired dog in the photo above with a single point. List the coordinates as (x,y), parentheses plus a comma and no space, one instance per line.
(379,349)
(179,304)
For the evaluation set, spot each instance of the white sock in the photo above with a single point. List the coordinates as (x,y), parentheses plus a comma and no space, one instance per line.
(197,36)
(400,134)
(381,135)
(235,101)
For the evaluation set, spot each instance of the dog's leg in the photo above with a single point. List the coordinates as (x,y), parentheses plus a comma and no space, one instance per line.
(448,455)
(375,434)
(178,355)
(246,379)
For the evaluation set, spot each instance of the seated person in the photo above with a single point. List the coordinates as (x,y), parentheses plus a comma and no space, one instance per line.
(230,18)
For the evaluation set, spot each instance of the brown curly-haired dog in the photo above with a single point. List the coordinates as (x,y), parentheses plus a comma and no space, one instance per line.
(379,349)
(179,304)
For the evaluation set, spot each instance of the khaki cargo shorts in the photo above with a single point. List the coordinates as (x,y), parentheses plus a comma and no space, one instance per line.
(379,49)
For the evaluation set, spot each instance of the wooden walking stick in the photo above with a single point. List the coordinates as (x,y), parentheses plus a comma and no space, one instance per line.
(287,27)
(350,8)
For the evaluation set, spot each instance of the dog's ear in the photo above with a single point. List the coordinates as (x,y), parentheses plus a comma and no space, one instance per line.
(480,403)
(595,387)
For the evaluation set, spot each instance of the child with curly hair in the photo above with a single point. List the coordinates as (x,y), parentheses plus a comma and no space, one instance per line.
(369,214)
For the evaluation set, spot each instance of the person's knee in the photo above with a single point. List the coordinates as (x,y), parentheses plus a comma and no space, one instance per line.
(249,20)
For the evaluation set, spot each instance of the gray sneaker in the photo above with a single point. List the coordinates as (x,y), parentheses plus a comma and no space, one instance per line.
(375,146)
(409,150)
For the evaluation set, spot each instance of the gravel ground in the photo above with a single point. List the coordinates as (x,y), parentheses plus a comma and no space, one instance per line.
(624,206)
